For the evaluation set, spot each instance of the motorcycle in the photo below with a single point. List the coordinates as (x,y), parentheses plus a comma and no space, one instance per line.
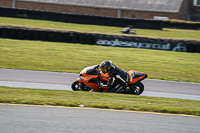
(91,77)
(127,30)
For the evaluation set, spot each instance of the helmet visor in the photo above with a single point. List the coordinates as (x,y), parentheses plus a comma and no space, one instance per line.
(104,70)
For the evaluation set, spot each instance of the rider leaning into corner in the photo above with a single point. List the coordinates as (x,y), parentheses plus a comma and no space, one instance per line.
(116,75)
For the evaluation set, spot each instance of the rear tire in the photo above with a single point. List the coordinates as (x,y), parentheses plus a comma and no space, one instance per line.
(137,88)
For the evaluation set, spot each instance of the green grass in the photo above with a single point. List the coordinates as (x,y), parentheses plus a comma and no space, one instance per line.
(67,57)
(98,100)
(165,33)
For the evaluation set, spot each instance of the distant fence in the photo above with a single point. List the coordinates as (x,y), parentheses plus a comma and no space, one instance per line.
(81,19)
(96,20)
(99,39)
(179,25)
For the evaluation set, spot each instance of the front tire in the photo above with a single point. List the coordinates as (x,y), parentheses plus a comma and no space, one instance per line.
(77,86)
(137,88)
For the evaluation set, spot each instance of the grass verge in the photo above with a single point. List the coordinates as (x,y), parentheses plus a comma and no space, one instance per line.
(67,57)
(98,100)
(165,33)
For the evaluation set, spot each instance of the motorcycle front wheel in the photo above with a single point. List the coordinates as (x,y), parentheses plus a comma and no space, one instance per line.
(77,86)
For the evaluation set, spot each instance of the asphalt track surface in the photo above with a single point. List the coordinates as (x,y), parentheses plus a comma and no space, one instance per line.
(63,81)
(38,119)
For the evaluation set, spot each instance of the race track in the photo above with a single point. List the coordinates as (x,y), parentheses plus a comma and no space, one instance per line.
(40,119)
(46,119)
(62,81)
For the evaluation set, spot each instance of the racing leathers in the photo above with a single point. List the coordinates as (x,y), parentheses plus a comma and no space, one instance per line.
(118,77)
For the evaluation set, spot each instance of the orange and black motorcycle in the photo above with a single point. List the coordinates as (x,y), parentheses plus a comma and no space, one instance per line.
(91,77)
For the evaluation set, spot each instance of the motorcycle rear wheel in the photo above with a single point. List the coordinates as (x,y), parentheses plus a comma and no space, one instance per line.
(137,88)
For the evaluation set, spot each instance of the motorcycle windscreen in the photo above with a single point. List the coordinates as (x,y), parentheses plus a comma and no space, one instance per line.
(92,70)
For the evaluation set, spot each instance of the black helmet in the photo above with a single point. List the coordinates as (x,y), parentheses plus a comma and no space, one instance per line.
(106,66)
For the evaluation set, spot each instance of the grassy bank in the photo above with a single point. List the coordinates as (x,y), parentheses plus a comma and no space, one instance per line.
(98,100)
(66,57)
(165,33)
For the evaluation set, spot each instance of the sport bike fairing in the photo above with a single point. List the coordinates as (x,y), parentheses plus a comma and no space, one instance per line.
(90,76)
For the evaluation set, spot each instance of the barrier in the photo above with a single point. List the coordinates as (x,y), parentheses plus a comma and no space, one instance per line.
(81,19)
(96,20)
(178,25)
(100,39)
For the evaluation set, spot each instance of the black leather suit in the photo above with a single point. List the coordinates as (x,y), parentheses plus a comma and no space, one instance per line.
(119,77)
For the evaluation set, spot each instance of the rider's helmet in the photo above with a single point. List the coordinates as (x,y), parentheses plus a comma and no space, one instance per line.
(106,66)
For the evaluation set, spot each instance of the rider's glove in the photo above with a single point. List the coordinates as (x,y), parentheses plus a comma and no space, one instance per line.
(101,84)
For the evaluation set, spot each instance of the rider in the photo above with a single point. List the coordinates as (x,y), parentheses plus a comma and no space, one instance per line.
(116,76)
